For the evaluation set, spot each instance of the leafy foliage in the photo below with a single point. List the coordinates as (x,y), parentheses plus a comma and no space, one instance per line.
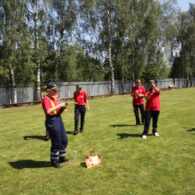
(80,40)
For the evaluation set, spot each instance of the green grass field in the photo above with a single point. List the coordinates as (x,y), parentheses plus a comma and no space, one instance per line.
(158,165)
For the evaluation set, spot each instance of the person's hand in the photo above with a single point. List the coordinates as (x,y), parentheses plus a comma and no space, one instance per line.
(137,93)
(88,108)
(63,105)
(152,85)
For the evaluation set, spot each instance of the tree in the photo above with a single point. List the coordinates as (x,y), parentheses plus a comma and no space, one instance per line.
(64,22)
(98,20)
(14,35)
(184,64)
(37,14)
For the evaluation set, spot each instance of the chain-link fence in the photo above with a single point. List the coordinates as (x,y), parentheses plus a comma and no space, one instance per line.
(26,95)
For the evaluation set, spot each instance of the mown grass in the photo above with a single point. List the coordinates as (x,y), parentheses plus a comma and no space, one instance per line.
(158,165)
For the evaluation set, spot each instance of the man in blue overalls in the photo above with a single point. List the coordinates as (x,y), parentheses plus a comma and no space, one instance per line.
(54,124)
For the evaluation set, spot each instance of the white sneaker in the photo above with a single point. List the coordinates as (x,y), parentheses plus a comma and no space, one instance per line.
(144,136)
(156,134)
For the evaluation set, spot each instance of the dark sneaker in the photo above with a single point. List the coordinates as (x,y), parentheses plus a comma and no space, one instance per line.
(47,138)
(138,124)
(64,160)
(57,165)
(81,131)
(75,133)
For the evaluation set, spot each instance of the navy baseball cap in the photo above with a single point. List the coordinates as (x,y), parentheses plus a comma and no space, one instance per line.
(52,85)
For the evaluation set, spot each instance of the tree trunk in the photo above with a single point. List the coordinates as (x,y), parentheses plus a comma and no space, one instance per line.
(13,88)
(58,54)
(38,73)
(133,69)
(110,52)
(122,65)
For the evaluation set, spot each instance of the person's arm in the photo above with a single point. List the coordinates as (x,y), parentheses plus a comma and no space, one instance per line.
(86,100)
(87,104)
(147,95)
(140,95)
(61,105)
(74,96)
(62,109)
(155,88)
(136,92)
(133,92)
(143,92)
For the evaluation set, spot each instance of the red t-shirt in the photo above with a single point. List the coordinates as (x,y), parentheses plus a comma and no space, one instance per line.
(80,98)
(153,102)
(46,104)
(138,100)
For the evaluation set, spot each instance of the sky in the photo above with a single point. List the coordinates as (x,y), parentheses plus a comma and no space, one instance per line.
(184,4)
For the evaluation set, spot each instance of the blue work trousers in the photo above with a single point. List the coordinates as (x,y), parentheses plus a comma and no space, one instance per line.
(59,140)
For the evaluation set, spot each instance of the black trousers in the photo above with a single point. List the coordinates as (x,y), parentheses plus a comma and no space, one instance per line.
(136,112)
(148,115)
(79,110)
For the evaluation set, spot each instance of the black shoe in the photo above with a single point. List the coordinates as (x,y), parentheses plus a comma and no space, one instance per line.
(47,138)
(81,131)
(137,124)
(56,165)
(75,133)
(64,160)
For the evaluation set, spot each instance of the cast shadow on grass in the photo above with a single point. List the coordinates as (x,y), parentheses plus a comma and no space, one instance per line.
(21,164)
(192,129)
(83,164)
(125,135)
(69,132)
(34,137)
(121,125)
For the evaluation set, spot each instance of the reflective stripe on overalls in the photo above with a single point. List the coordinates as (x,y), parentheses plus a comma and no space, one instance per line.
(52,104)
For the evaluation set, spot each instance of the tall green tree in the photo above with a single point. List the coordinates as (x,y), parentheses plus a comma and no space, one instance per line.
(64,22)
(184,64)
(14,40)
(98,20)
(38,16)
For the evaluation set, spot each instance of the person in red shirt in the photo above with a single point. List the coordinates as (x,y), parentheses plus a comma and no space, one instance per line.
(137,93)
(54,124)
(152,110)
(80,98)
(47,138)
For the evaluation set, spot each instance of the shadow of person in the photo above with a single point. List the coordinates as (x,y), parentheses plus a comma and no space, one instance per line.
(83,164)
(34,137)
(69,132)
(121,125)
(192,129)
(21,164)
(125,135)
